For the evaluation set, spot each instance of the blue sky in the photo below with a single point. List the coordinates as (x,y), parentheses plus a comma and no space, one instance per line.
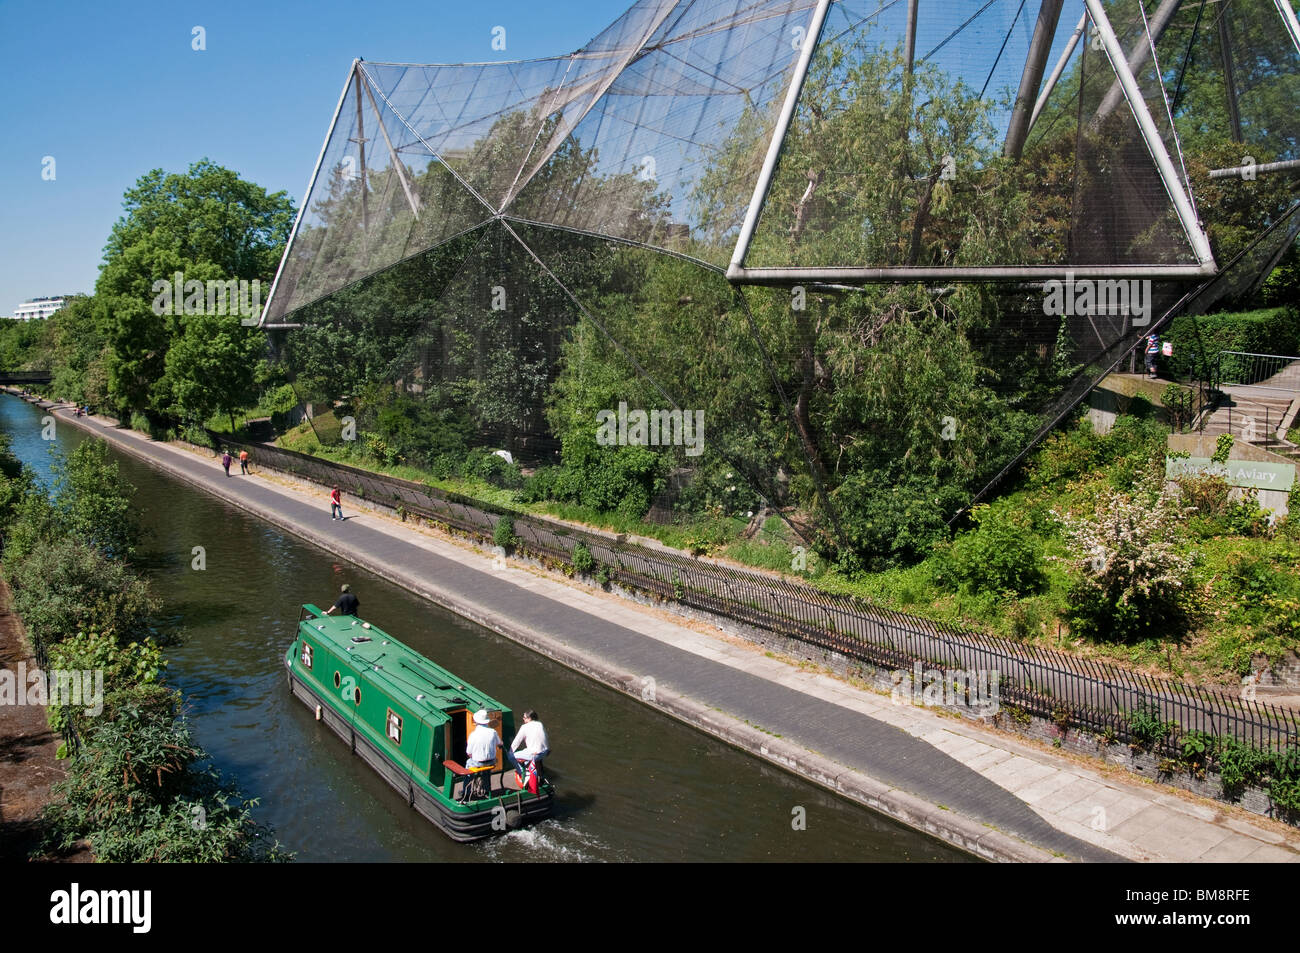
(112,90)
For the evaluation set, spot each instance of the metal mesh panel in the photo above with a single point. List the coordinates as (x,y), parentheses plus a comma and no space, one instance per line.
(886,166)
(677,139)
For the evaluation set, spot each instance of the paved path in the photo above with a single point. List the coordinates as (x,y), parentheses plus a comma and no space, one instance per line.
(977,788)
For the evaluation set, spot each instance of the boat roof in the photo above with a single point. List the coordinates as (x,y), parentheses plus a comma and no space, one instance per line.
(401,671)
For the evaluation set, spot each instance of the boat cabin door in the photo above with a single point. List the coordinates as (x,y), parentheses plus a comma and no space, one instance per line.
(459,725)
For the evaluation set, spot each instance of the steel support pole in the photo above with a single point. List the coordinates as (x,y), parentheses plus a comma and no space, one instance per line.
(1058,70)
(849,275)
(778,135)
(1147,126)
(1141,50)
(311,184)
(1289,18)
(1229,76)
(1049,12)
(392,154)
(361,147)
(909,48)
(1287,165)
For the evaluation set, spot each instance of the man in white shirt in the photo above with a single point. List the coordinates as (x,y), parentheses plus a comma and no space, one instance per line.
(532,738)
(481,746)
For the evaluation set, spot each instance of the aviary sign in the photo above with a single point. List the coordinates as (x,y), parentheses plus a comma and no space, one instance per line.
(1252,473)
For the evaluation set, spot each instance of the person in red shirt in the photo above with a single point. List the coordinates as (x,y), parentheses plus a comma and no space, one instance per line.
(336,504)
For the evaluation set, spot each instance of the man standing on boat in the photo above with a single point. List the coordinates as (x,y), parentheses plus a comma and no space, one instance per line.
(346,604)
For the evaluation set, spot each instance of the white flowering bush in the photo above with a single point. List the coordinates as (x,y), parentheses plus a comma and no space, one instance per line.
(1134,579)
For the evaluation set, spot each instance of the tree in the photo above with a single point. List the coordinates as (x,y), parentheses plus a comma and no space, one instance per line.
(212,366)
(208,224)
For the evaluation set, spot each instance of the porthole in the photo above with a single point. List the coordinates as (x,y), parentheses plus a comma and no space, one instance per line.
(356,696)
(337,680)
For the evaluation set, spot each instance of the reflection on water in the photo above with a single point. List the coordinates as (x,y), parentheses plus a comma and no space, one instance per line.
(633,784)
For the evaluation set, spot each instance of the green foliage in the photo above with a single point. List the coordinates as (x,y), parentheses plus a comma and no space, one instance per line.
(95,503)
(137,785)
(210,225)
(197,435)
(1198,340)
(503,534)
(212,366)
(1131,571)
(1000,555)
(492,469)
(1218,510)
(1147,726)
(139,791)
(414,430)
(65,587)
(583,561)
(1222,447)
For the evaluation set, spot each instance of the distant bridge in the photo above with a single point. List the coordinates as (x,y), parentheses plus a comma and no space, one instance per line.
(25,377)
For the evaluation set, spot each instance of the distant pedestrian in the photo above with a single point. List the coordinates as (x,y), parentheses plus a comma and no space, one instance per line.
(1153,351)
(226,461)
(243,461)
(336,504)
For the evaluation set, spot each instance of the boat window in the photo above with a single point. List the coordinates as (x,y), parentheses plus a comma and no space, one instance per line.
(306,654)
(337,680)
(394,727)
(356,696)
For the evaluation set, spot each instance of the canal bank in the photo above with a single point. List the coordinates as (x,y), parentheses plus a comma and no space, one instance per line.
(991,795)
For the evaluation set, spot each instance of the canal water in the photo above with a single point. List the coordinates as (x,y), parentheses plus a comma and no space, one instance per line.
(633,784)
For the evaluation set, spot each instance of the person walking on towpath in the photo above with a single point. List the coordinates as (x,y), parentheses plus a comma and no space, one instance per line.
(225,461)
(243,461)
(336,504)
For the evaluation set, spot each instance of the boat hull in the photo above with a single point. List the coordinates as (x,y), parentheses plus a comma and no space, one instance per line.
(461,826)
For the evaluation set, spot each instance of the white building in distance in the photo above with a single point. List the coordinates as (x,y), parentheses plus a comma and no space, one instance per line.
(39,307)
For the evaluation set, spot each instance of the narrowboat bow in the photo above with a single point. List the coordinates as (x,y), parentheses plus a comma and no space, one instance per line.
(409,719)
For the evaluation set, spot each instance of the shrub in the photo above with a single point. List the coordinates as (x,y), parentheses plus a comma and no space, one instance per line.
(446,465)
(67,587)
(1147,726)
(1131,576)
(503,534)
(1000,555)
(583,561)
(136,791)
(493,469)
(197,435)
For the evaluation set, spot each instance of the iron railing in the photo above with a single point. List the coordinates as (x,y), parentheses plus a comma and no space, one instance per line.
(1087,694)
(1265,371)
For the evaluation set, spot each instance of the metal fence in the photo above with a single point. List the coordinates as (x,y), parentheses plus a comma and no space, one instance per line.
(1278,372)
(1084,693)
(67,730)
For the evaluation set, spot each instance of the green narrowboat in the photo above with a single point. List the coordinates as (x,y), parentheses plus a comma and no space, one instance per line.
(409,719)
